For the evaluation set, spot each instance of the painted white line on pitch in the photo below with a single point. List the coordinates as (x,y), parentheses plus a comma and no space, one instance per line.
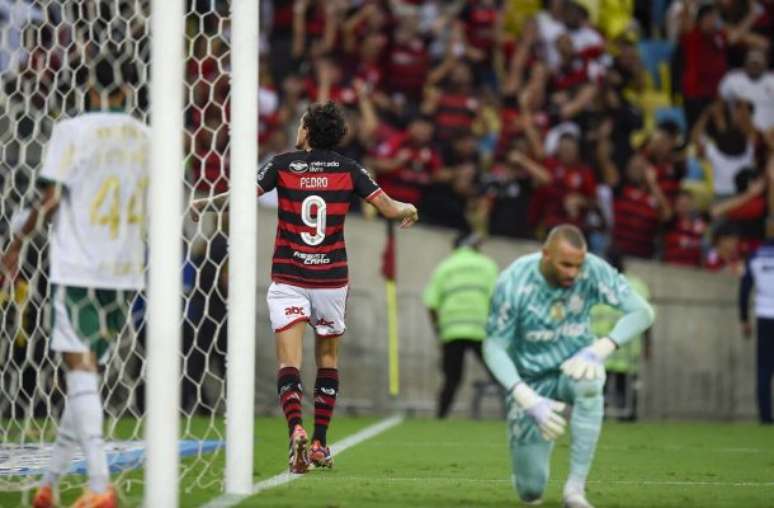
(229,500)
(453,479)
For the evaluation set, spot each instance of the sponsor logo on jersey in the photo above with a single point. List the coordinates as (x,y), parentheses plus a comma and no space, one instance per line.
(313,182)
(312,259)
(569,330)
(318,165)
(299,167)
(328,391)
(541,336)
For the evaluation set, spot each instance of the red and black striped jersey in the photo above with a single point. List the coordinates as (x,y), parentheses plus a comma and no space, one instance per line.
(314,189)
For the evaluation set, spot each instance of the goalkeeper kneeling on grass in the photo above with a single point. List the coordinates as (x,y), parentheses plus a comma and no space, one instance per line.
(540,348)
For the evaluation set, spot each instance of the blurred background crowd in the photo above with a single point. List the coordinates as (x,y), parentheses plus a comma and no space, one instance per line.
(646,123)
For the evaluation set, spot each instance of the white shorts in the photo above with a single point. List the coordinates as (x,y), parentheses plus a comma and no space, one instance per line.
(88,319)
(64,337)
(324,309)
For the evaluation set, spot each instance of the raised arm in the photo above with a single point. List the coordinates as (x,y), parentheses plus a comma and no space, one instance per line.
(722,208)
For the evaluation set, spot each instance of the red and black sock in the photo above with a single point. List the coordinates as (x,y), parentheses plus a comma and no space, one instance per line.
(290,393)
(325,389)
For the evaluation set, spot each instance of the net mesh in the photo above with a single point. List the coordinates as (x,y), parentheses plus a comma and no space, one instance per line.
(46,47)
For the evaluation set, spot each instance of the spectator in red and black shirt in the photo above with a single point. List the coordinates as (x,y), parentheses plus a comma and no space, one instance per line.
(480,26)
(659,150)
(639,208)
(684,235)
(572,193)
(451,100)
(703,62)
(509,187)
(573,83)
(309,269)
(746,210)
(406,162)
(407,62)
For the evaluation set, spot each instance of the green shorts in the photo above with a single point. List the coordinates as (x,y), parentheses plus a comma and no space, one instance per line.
(88,319)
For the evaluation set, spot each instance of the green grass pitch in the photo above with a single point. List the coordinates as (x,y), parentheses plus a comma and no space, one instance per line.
(426,463)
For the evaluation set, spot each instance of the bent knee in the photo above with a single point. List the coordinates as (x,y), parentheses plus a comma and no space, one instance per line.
(588,388)
(530,487)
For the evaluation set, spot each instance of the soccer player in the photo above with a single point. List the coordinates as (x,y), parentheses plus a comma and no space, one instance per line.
(309,269)
(540,348)
(93,188)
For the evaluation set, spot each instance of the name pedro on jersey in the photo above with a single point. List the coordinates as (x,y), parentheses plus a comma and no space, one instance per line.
(313,182)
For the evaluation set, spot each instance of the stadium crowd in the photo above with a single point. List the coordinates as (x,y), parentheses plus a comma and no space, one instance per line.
(647,124)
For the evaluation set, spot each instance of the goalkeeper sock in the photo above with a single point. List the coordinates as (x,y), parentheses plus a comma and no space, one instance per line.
(290,393)
(586,425)
(325,389)
(84,401)
(64,448)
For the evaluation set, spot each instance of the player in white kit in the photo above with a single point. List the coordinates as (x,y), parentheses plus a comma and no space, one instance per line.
(93,183)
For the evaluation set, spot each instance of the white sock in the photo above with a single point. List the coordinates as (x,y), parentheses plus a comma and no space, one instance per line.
(84,400)
(64,448)
(574,486)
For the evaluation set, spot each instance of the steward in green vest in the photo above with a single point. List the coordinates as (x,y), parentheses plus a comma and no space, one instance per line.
(457,298)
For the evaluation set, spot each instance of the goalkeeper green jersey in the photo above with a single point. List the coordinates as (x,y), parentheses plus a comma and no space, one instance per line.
(459,291)
(539,326)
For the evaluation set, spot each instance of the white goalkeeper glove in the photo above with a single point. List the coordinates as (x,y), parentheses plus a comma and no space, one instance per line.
(545,412)
(589,362)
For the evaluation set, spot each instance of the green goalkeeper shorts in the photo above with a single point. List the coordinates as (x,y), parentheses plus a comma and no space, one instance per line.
(88,319)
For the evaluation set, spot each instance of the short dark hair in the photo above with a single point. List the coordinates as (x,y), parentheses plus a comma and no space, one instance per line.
(569,233)
(326,125)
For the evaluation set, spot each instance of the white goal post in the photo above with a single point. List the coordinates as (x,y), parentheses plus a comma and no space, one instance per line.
(161,472)
(168,422)
(240,372)
(164,280)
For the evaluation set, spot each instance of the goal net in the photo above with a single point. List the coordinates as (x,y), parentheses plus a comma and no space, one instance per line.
(46,47)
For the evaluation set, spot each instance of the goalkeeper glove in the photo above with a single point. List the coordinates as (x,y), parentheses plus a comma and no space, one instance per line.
(545,412)
(589,362)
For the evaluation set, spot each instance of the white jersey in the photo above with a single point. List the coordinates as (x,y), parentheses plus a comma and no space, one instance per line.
(101,160)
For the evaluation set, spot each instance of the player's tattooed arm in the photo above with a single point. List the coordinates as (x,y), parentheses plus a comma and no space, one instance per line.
(39,215)
(396,210)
